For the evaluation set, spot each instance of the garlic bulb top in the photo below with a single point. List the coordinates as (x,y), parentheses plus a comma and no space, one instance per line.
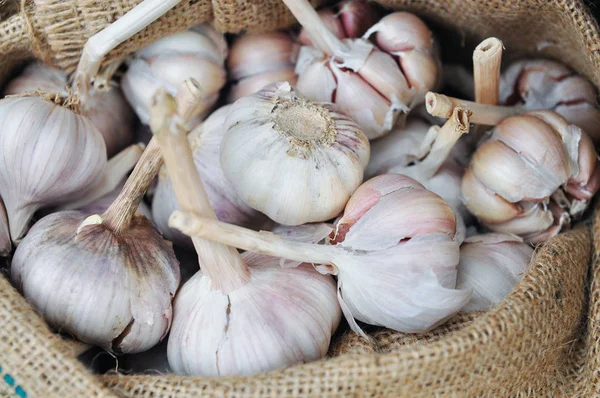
(257,60)
(394,253)
(109,290)
(545,84)
(531,176)
(292,159)
(50,154)
(491,265)
(106,108)
(205,141)
(198,53)
(371,82)
(279,318)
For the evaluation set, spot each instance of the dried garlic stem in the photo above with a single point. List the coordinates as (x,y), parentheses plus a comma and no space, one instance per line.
(189,99)
(262,242)
(487,58)
(457,125)
(224,265)
(442,106)
(107,39)
(321,36)
(116,170)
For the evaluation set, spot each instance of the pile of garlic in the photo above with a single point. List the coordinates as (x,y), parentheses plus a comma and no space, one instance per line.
(345,197)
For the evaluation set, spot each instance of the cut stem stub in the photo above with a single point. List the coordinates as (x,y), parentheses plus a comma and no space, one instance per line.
(440,105)
(487,58)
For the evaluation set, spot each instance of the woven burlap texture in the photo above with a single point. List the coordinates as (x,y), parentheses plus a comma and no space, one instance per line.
(542,340)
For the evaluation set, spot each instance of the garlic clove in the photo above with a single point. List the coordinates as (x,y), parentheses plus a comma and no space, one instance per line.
(109,290)
(535,219)
(193,41)
(50,155)
(5,241)
(315,79)
(421,71)
(318,165)
(491,265)
(357,16)
(383,74)
(253,329)
(252,84)
(401,31)
(331,21)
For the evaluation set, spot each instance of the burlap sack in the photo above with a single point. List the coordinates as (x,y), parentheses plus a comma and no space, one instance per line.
(543,340)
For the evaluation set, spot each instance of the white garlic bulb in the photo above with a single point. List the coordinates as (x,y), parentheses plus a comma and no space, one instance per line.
(256,327)
(292,159)
(5,242)
(205,141)
(50,154)
(394,253)
(106,108)
(545,84)
(491,265)
(257,60)
(107,289)
(198,53)
(532,174)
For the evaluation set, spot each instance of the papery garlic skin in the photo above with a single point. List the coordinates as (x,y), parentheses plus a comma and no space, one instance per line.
(528,178)
(50,155)
(205,141)
(254,328)
(545,84)
(5,241)
(491,265)
(109,290)
(293,160)
(107,108)
(198,53)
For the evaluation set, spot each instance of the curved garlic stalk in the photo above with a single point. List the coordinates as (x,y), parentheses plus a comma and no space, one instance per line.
(366,81)
(544,84)
(50,154)
(205,141)
(421,151)
(531,176)
(198,54)
(5,242)
(257,60)
(106,108)
(292,159)
(102,204)
(394,253)
(291,313)
(491,265)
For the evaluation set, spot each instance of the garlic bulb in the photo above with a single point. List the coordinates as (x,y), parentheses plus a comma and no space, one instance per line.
(106,108)
(394,253)
(205,141)
(107,289)
(51,154)
(5,242)
(349,19)
(491,265)
(531,176)
(292,159)
(198,53)
(239,314)
(421,151)
(365,80)
(545,84)
(257,60)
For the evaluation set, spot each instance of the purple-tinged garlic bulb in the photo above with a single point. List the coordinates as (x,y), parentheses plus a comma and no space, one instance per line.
(257,60)
(394,252)
(544,84)
(205,141)
(532,175)
(292,159)
(106,107)
(491,265)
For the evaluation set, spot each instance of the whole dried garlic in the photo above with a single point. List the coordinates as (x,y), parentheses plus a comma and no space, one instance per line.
(532,174)
(257,60)
(198,53)
(205,141)
(50,154)
(491,265)
(394,252)
(421,151)
(292,159)
(367,81)
(544,84)
(106,107)
(239,314)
